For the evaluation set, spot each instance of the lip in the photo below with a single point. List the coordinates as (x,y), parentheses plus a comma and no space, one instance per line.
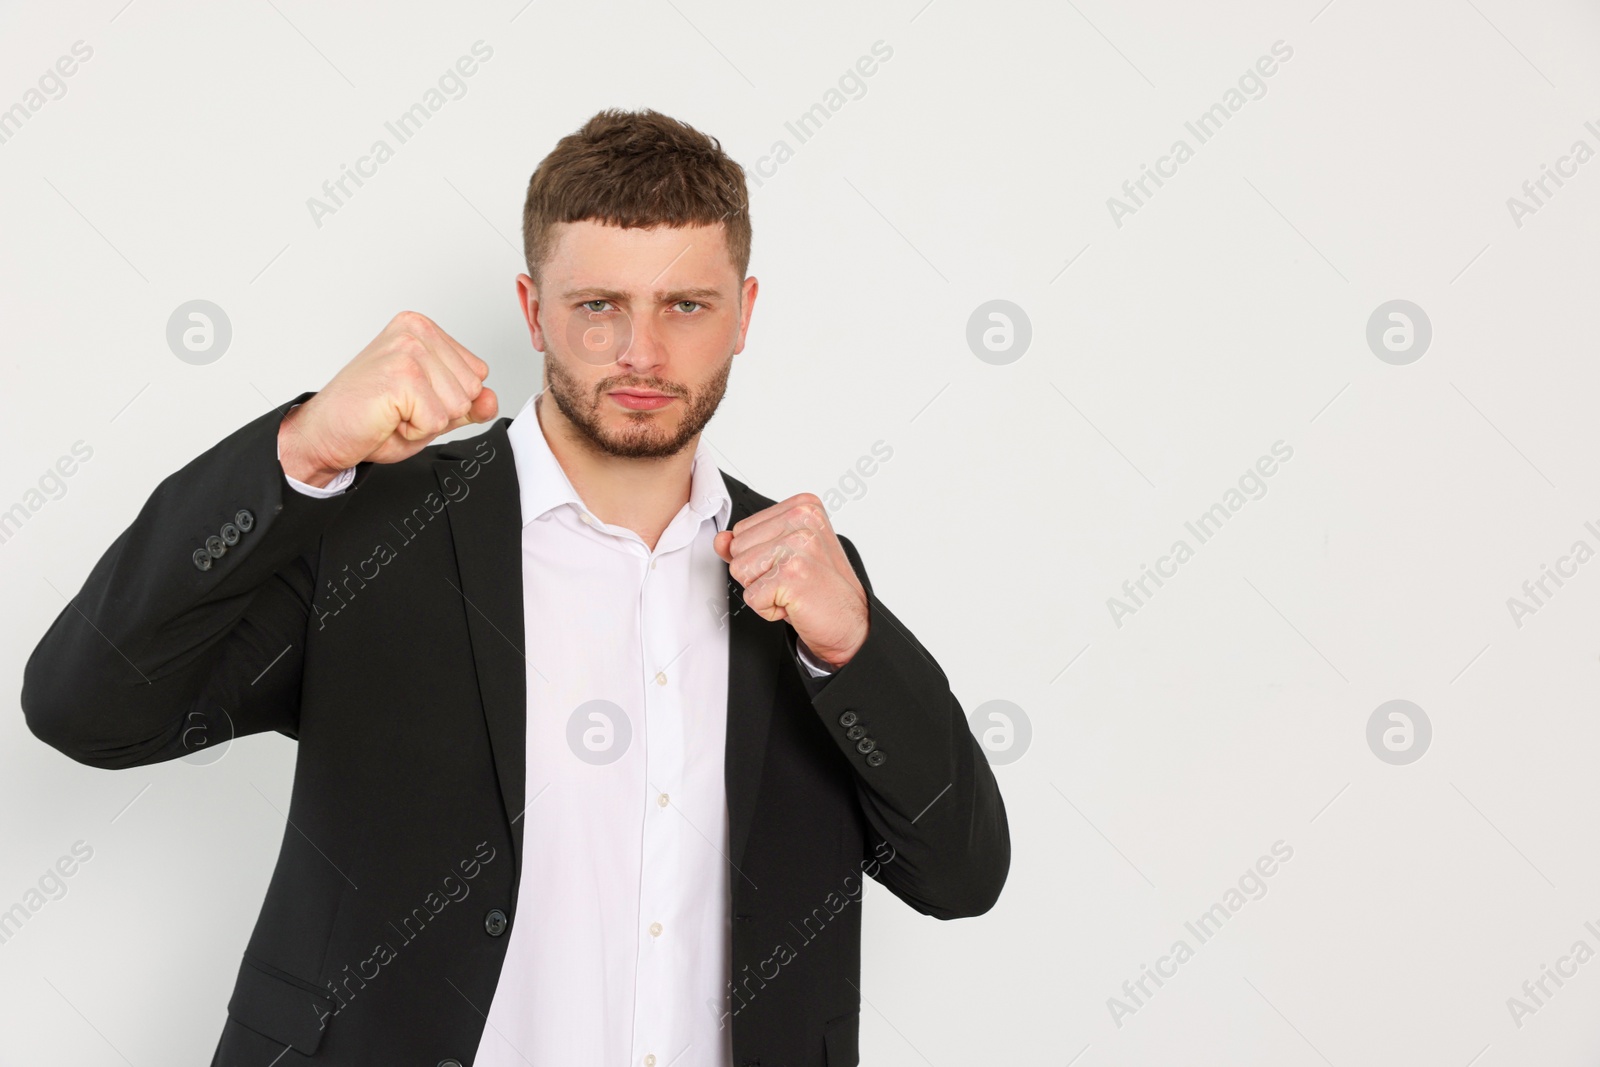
(640,400)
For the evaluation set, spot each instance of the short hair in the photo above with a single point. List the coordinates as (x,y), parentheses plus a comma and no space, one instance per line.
(636,169)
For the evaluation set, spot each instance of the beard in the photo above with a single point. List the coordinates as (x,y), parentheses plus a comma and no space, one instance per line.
(644,434)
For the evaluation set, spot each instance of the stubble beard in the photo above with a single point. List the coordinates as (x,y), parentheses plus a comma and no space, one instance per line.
(644,435)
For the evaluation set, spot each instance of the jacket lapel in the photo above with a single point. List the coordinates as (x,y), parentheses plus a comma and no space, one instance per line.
(486,529)
(756,649)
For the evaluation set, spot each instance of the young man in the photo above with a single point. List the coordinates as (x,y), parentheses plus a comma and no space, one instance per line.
(595,743)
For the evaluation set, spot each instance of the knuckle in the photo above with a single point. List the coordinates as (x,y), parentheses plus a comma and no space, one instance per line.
(407,347)
(804,514)
(409,372)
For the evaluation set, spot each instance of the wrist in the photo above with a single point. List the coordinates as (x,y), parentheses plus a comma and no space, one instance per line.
(296,457)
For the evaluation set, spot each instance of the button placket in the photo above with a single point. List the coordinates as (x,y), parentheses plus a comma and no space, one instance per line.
(664,835)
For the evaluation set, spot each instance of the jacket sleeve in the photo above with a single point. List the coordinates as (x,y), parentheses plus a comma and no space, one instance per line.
(190,629)
(924,784)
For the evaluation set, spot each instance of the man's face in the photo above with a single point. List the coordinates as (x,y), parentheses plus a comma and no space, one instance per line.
(655,311)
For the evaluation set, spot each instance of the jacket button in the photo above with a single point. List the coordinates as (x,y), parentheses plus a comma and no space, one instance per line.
(876,757)
(202,559)
(449,1063)
(495,922)
(230,534)
(244,520)
(215,546)
(848,719)
(866,745)
(856,732)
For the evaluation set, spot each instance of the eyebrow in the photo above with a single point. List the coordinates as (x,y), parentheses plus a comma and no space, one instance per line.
(666,296)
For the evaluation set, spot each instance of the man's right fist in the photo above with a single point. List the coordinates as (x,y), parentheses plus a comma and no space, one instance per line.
(411,384)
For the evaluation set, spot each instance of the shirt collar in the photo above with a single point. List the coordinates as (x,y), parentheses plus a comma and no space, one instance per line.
(543,485)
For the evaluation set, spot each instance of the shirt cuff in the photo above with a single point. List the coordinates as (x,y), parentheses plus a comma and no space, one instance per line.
(817,668)
(340,483)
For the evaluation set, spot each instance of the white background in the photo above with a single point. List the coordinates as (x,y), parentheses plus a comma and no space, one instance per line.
(1168,353)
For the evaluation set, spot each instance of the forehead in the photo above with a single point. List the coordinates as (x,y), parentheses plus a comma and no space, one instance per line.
(595,253)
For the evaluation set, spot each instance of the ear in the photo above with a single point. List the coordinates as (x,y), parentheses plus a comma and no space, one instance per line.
(747,301)
(528,303)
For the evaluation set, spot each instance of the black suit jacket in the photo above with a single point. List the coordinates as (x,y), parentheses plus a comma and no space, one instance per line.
(383,629)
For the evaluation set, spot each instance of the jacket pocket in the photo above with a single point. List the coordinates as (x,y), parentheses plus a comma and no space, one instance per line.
(841,1040)
(280,1006)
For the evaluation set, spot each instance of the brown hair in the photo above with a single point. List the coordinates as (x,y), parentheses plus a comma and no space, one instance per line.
(636,169)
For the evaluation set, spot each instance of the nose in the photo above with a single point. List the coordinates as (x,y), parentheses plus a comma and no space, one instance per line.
(645,352)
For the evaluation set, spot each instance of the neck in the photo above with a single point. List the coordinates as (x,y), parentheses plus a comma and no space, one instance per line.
(641,495)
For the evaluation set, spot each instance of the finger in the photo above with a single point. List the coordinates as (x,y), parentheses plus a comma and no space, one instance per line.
(767,512)
(465,398)
(758,562)
(761,597)
(451,373)
(423,414)
(412,436)
(484,407)
(453,395)
(478,368)
(466,369)
(803,510)
(424,417)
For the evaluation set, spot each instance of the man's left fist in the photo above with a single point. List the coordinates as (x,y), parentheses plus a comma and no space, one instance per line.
(792,567)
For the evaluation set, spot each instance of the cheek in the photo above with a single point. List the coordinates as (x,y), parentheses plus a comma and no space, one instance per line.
(593,340)
(710,338)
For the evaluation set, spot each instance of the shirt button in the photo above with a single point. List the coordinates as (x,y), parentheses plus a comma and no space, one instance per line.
(650,1059)
(662,800)
(661,678)
(653,563)
(655,929)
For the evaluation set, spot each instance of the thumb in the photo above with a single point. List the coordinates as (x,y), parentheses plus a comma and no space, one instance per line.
(724,547)
(485,406)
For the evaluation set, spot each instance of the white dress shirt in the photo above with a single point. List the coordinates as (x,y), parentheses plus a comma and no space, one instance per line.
(619,944)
